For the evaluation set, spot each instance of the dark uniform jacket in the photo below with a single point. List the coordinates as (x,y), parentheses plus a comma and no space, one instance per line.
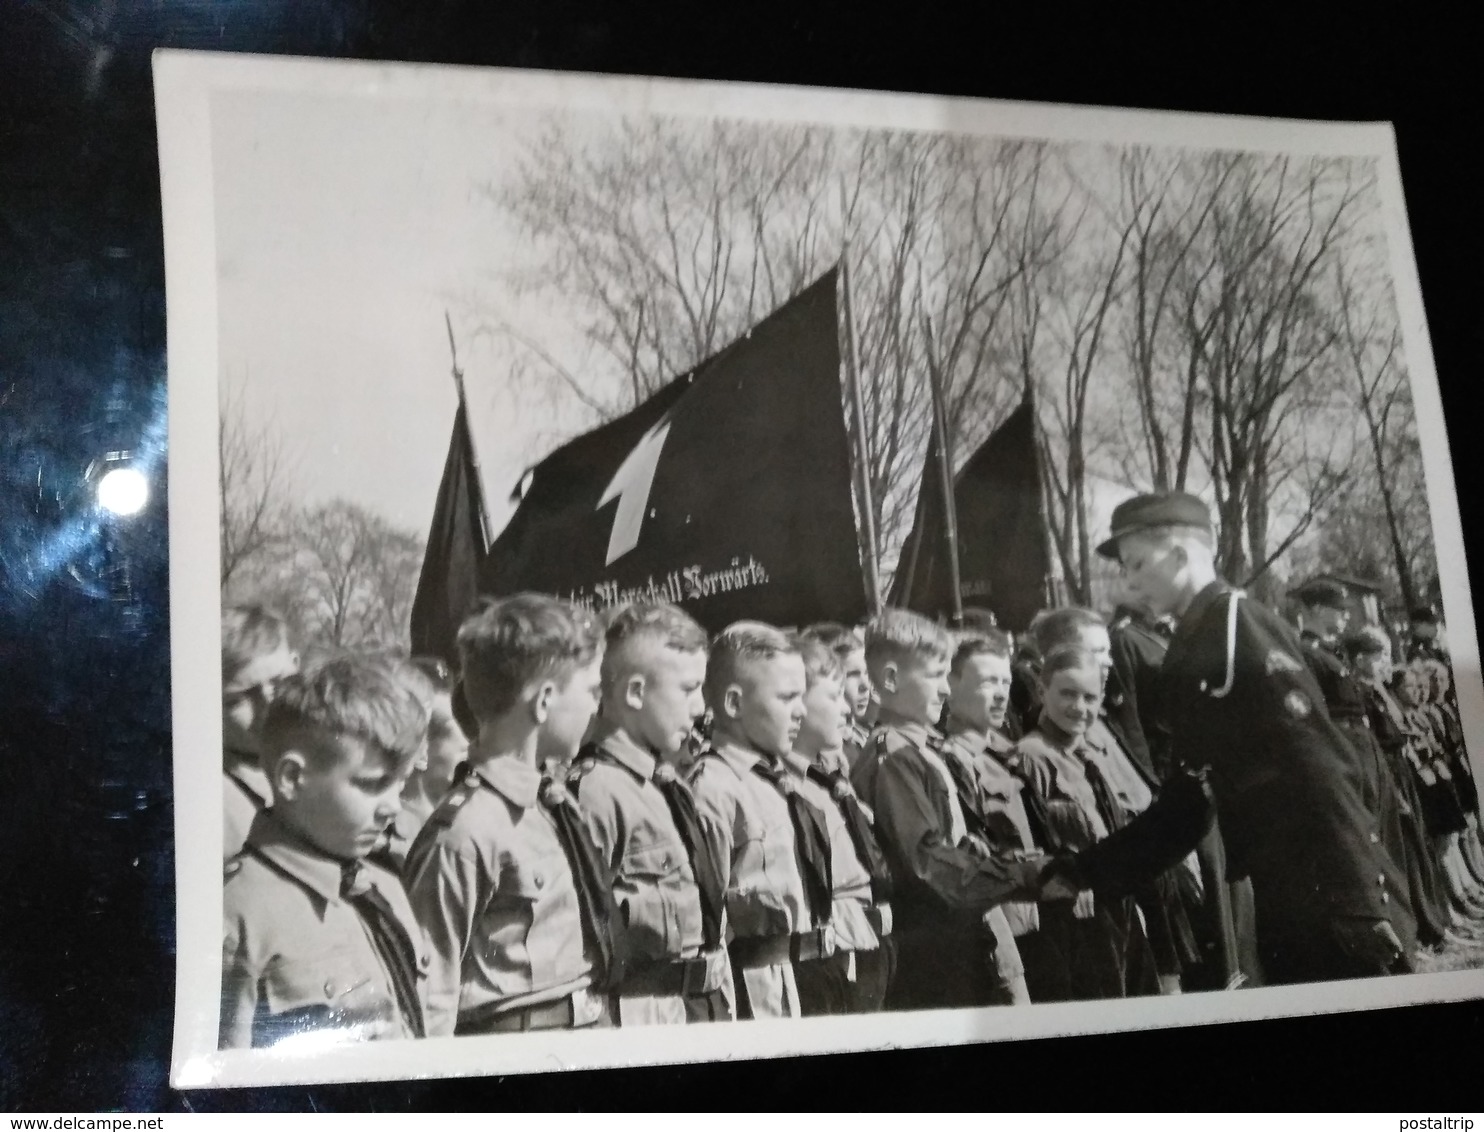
(1132,700)
(1242,700)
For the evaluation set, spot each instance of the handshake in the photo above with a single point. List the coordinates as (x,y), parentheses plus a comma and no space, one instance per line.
(1148,845)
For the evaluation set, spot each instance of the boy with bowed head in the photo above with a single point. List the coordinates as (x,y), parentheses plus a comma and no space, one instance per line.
(1242,701)
(955,947)
(643,818)
(771,845)
(315,938)
(511,893)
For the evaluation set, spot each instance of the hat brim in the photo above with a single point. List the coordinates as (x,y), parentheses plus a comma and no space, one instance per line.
(1109,547)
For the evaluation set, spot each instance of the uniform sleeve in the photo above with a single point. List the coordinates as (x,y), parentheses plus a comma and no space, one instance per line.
(240,975)
(445,893)
(714,811)
(910,830)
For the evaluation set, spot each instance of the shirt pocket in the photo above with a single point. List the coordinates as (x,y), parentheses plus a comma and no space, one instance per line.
(534,909)
(336,988)
(652,884)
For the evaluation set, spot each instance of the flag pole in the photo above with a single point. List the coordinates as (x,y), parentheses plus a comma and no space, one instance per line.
(945,476)
(458,381)
(858,413)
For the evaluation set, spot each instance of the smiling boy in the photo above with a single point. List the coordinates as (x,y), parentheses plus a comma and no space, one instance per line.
(315,938)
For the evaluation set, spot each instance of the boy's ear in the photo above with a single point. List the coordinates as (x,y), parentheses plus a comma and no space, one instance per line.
(541,699)
(633,691)
(1182,554)
(889,676)
(287,778)
(731,701)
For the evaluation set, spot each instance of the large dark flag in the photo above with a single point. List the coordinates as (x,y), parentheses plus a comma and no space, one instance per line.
(449,583)
(727,492)
(1003,558)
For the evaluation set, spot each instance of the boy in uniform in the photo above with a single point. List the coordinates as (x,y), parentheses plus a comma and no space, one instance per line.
(255,657)
(770,844)
(512,895)
(976,750)
(855,683)
(955,947)
(443,751)
(314,938)
(853,979)
(643,819)
(1242,701)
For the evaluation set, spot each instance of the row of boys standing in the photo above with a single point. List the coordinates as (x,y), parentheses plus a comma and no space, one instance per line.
(797,866)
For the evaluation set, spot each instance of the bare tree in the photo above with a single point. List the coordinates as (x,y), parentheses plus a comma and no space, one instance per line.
(1372,346)
(1255,334)
(253,485)
(348,576)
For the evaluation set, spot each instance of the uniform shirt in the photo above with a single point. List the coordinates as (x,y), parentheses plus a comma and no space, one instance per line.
(1243,701)
(492,888)
(654,886)
(1101,748)
(1001,804)
(745,819)
(296,955)
(849,925)
(1050,761)
(915,804)
(245,794)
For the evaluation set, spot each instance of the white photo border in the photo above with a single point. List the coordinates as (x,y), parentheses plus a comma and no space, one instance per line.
(185,82)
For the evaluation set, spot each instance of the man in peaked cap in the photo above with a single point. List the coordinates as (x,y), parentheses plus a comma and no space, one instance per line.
(1242,701)
(1424,643)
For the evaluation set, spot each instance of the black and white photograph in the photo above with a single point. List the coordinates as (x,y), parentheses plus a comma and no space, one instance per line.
(710,571)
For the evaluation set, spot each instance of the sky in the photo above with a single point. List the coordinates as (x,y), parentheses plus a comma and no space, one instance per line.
(345,229)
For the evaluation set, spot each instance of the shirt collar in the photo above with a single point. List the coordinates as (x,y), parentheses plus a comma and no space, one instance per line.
(797,764)
(915,733)
(513,779)
(629,755)
(1058,736)
(288,852)
(739,758)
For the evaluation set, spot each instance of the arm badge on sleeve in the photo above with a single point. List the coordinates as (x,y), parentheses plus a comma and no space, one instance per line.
(1297,704)
(1279,661)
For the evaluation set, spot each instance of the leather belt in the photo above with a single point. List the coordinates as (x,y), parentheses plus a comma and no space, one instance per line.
(700,974)
(578,1009)
(772,950)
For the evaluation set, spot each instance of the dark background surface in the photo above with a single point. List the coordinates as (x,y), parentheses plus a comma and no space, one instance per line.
(86,867)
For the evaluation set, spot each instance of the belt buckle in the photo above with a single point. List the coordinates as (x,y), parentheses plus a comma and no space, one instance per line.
(808,945)
(881,919)
(586,1007)
(693,972)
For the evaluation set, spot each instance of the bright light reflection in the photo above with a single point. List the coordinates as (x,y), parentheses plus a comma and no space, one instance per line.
(124,491)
